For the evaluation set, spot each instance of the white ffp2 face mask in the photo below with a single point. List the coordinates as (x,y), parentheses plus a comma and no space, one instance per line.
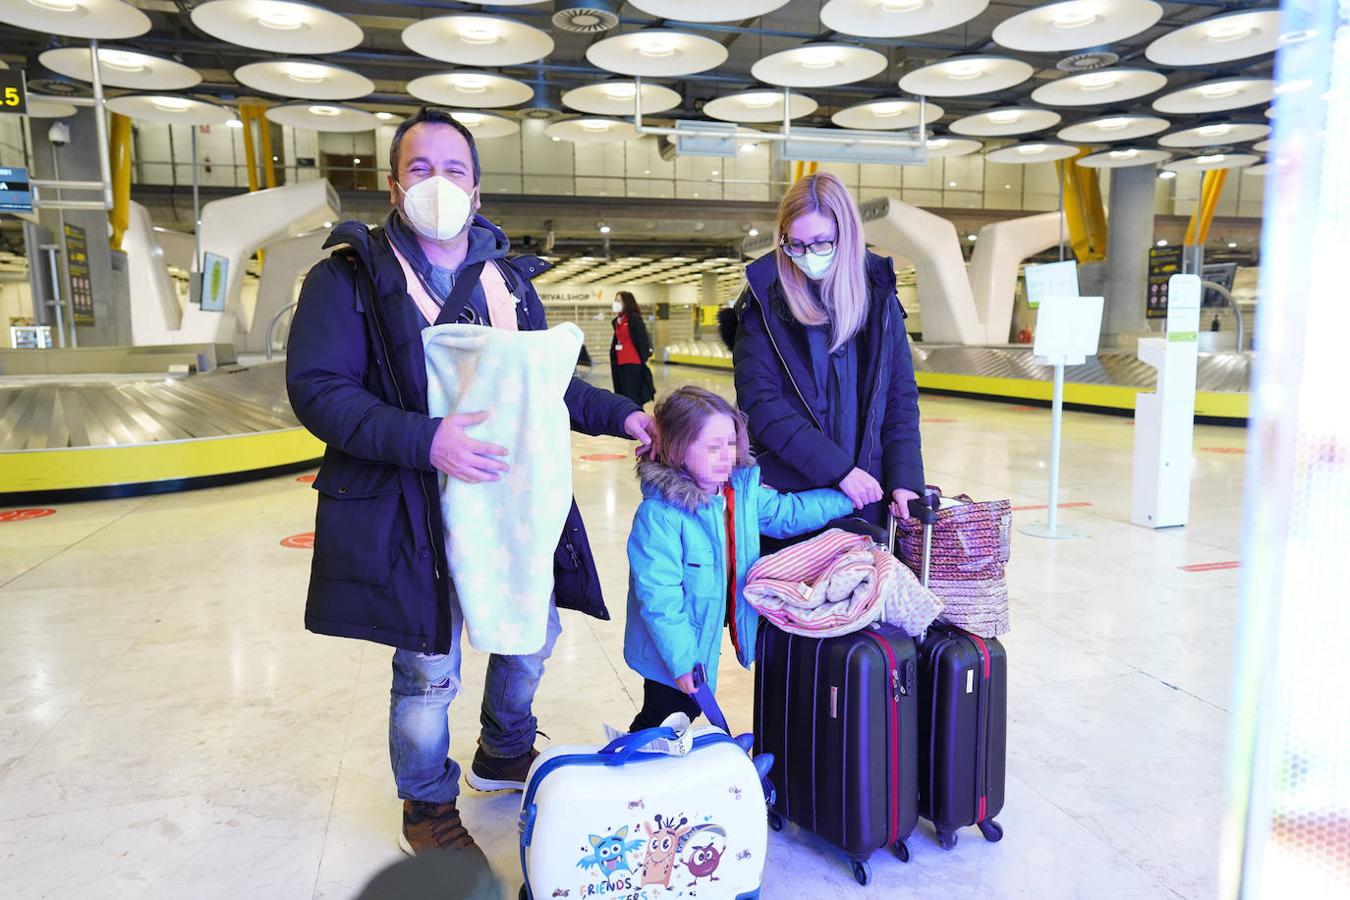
(616,306)
(814,265)
(437,208)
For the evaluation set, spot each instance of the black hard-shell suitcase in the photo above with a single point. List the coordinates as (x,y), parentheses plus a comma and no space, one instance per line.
(840,717)
(963,724)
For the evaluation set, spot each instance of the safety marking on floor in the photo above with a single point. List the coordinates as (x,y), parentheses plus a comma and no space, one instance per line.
(1212,567)
(299,541)
(23,515)
(1222,450)
(1027,408)
(604,457)
(307,479)
(1079,505)
(937,421)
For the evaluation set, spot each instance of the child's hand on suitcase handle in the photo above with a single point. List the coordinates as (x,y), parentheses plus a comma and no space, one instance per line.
(686,683)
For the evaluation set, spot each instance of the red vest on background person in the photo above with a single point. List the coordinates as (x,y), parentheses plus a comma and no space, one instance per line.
(625,353)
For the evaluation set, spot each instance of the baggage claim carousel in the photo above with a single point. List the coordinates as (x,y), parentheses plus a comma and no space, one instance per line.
(1107,382)
(85,436)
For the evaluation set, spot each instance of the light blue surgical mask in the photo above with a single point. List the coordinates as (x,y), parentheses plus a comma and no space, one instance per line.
(814,265)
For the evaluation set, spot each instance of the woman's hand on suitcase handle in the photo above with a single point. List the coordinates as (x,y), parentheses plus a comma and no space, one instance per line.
(686,683)
(900,502)
(861,488)
(460,456)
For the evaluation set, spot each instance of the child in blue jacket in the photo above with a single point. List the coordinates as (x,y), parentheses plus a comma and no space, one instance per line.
(687,567)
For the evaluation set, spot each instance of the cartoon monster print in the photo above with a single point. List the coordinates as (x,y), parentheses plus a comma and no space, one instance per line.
(704,859)
(660,861)
(610,854)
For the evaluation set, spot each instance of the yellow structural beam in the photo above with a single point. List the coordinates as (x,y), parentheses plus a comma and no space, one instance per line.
(1220,178)
(246,115)
(1083,213)
(119,153)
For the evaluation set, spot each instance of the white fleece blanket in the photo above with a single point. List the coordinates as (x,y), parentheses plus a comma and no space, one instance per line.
(500,536)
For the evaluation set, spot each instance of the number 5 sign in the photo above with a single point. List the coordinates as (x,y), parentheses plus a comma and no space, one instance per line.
(13,95)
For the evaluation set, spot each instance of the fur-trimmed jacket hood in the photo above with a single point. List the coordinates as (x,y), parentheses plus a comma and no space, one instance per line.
(673,485)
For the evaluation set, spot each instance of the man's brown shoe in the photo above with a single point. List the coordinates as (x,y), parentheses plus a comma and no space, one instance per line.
(434,826)
(488,773)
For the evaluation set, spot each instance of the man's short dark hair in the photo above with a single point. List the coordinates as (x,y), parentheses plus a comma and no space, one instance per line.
(438,116)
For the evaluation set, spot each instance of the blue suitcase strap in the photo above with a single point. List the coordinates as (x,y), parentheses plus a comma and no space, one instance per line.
(707,701)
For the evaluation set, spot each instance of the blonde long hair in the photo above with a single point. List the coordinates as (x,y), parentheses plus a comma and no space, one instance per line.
(843,290)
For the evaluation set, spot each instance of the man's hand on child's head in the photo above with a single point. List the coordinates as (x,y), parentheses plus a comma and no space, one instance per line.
(641,428)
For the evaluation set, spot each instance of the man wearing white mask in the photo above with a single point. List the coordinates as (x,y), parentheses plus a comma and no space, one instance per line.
(357,380)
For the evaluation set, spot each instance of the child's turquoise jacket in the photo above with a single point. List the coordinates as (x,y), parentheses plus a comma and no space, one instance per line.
(677,585)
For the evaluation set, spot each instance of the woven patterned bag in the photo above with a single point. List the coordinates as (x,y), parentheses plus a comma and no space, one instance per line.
(970,547)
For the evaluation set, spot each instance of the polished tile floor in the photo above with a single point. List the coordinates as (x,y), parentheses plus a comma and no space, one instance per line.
(168,729)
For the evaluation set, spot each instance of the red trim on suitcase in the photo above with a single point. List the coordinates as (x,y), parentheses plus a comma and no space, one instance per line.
(984,653)
(893,766)
(984,805)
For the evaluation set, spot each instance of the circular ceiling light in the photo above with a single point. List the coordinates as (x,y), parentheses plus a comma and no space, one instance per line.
(1261,146)
(1218,39)
(1100,88)
(47,109)
(657,52)
(1006,121)
(758,106)
(104,20)
(940,147)
(277,26)
(476,40)
(886,114)
(1261,169)
(1124,157)
(1076,24)
(707,10)
(170,109)
(302,78)
(1026,154)
(485,126)
(898,18)
(1107,129)
(1211,161)
(333,117)
(121,68)
(819,65)
(592,131)
(966,76)
(1214,134)
(1217,96)
(478,90)
(619,98)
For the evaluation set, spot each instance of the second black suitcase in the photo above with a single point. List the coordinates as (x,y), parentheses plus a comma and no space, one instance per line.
(963,725)
(840,717)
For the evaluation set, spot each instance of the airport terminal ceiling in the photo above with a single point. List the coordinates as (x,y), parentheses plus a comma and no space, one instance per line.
(386,63)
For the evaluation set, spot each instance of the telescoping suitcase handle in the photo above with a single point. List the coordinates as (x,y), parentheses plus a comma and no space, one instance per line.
(925,510)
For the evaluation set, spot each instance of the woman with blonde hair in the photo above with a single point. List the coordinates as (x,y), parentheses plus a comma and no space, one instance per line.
(822,363)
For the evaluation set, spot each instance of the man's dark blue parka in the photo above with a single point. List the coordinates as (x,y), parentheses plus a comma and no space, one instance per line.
(357,380)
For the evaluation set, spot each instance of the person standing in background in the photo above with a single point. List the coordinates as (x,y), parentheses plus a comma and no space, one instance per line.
(629,351)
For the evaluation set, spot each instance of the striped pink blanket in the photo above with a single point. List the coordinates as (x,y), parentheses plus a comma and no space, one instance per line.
(836,584)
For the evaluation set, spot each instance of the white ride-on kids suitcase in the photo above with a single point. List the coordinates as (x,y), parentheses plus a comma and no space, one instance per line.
(653,815)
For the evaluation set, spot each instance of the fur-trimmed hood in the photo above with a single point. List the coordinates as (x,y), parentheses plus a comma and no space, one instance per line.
(670,485)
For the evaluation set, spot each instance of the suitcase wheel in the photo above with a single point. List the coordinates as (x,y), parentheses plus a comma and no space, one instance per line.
(862,872)
(775,821)
(947,839)
(992,831)
(901,850)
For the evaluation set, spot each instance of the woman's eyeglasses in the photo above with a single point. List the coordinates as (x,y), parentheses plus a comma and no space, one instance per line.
(797,249)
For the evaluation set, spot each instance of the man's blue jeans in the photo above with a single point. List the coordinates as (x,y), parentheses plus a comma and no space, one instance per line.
(419,727)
